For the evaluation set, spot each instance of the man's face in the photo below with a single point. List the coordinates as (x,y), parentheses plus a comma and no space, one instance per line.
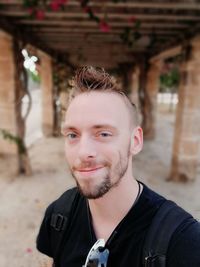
(97,144)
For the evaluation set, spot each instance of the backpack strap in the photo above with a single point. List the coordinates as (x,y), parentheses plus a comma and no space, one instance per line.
(60,220)
(166,220)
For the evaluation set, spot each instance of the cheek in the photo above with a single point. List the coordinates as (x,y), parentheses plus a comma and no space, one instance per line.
(111,156)
(125,146)
(120,152)
(70,155)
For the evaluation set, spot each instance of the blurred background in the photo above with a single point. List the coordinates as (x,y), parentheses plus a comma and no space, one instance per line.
(153,50)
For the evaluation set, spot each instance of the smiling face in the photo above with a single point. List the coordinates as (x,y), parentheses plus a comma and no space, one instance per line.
(98,143)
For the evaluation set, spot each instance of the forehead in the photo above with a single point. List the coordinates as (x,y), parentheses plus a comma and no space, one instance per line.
(92,108)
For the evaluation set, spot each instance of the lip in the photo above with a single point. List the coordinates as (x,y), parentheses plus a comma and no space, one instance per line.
(89,170)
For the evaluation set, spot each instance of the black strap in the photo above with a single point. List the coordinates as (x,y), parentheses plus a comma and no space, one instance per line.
(59,221)
(168,217)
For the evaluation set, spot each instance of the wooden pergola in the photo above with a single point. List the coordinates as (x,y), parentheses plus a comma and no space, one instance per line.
(130,38)
(71,33)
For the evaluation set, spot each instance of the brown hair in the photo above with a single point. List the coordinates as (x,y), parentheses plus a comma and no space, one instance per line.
(88,79)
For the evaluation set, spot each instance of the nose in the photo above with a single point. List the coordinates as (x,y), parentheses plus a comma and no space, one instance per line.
(86,149)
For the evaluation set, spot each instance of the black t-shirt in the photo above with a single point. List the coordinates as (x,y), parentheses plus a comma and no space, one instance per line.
(127,240)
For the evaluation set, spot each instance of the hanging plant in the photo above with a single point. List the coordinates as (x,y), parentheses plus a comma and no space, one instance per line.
(104,26)
(91,14)
(152,40)
(56,5)
(14,139)
(39,14)
(30,3)
(37,8)
(131,35)
(170,77)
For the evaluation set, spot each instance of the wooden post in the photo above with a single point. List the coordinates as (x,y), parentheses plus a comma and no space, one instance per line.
(46,74)
(187,128)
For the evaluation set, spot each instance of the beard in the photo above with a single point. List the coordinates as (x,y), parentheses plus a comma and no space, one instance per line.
(110,180)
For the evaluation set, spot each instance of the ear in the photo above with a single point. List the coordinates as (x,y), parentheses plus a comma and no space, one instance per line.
(136,140)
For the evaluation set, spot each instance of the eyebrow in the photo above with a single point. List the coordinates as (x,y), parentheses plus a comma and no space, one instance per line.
(66,127)
(100,126)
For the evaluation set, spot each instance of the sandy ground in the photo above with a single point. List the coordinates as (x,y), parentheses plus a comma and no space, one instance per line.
(24,199)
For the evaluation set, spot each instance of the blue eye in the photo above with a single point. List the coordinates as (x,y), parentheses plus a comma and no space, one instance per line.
(71,135)
(104,134)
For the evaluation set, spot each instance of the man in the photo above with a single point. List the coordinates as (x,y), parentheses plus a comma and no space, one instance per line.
(112,209)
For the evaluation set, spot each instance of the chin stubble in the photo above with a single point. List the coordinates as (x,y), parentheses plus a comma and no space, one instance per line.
(106,185)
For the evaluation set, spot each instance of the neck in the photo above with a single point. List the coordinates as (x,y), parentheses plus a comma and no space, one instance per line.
(110,209)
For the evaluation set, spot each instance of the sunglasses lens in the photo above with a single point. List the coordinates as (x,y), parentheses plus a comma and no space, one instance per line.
(98,255)
(98,258)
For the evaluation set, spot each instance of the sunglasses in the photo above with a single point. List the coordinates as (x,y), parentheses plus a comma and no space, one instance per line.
(98,255)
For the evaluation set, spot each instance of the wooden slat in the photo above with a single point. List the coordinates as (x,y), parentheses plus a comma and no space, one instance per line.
(99,36)
(190,5)
(59,30)
(74,15)
(172,52)
(71,29)
(85,48)
(94,24)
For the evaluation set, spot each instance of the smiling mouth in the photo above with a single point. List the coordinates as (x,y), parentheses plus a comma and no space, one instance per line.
(89,170)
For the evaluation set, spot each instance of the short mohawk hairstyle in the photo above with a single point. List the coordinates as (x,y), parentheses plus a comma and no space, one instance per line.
(90,79)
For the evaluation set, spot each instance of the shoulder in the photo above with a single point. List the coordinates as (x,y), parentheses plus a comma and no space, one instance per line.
(61,205)
(67,196)
(61,201)
(185,244)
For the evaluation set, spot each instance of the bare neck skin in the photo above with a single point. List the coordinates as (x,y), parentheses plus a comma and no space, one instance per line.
(109,210)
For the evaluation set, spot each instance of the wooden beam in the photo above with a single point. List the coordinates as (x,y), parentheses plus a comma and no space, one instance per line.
(95,38)
(86,36)
(190,5)
(32,40)
(171,52)
(76,23)
(52,30)
(98,47)
(118,16)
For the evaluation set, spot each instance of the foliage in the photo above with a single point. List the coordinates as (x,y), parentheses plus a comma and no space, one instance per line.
(34,76)
(15,139)
(169,80)
(130,35)
(60,72)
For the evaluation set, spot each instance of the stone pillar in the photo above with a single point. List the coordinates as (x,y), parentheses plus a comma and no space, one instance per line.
(187,127)
(46,73)
(7,94)
(150,99)
(129,80)
(134,86)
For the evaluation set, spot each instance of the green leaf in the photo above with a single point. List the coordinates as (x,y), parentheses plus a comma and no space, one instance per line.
(137,24)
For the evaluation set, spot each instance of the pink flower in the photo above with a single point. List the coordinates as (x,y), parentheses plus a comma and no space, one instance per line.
(39,14)
(104,27)
(30,11)
(29,250)
(55,5)
(86,9)
(132,19)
